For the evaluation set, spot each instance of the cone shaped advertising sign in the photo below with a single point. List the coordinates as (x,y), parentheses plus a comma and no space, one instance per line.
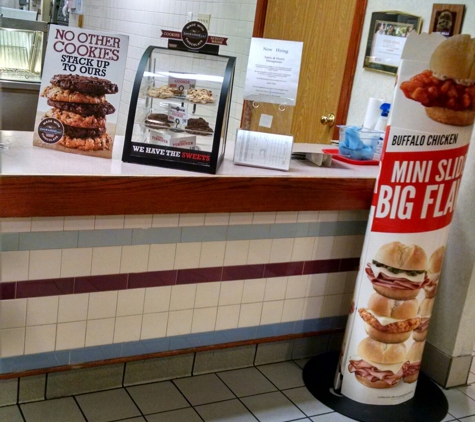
(425,148)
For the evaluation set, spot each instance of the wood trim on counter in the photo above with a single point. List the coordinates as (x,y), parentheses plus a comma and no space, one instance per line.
(52,196)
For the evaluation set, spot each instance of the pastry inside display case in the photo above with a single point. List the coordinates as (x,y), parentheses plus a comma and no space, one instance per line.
(180,103)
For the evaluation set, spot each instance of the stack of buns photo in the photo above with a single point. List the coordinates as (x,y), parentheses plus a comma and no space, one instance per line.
(395,321)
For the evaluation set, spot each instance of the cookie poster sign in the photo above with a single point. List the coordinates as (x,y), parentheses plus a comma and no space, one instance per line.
(80,91)
(425,150)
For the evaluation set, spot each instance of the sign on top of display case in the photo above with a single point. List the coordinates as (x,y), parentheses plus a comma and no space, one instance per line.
(194,36)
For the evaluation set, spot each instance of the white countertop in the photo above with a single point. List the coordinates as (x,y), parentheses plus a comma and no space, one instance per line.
(21,158)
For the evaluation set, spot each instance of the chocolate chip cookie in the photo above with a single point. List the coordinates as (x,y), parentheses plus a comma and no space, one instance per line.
(202,96)
(90,85)
(99,143)
(56,93)
(163,91)
(198,126)
(157,121)
(76,120)
(79,132)
(84,109)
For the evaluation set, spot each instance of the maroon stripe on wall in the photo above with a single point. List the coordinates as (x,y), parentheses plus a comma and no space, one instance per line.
(283,269)
(199,275)
(39,288)
(7,291)
(152,279)
(102,283)
(242,272)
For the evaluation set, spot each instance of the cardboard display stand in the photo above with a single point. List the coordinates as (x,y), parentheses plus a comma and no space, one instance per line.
(80,91)
(413,204)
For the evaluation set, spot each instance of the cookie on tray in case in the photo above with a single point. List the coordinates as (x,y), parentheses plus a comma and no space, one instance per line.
(157,121)
(202,96)
(163,91)
(198,126)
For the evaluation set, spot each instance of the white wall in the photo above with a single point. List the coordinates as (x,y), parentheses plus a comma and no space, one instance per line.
(144,20)
(9,3)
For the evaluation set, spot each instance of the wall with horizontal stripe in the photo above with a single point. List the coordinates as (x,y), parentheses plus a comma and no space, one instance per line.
(76,290)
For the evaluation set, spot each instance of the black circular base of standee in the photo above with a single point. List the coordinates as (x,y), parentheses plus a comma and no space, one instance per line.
(429,403)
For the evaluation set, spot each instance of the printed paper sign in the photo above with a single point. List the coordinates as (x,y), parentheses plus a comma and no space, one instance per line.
(267,150)
(273,71)
(80,91)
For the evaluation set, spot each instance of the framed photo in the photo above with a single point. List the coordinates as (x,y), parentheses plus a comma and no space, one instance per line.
(447,19)
(386,39)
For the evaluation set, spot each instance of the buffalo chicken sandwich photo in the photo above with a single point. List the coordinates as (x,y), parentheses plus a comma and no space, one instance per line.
(398,271)
(447,89)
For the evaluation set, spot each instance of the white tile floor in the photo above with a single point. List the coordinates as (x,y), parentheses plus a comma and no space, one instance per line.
(266,393)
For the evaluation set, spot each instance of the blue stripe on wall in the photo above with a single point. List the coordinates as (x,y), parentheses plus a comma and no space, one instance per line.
(37,361)
(125,237)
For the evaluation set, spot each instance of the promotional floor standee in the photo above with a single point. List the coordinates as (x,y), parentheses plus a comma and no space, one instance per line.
(425,150)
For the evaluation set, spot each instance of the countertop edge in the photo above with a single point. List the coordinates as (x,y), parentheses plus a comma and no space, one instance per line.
(49,196)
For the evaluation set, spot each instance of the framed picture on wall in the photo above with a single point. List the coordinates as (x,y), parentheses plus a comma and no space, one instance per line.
(447,19)
(386,39)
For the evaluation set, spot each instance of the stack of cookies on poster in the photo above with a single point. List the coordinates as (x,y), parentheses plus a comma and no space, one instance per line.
(79,103)
(398,274)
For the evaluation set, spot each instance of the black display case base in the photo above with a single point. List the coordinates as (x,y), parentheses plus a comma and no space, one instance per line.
(429,403)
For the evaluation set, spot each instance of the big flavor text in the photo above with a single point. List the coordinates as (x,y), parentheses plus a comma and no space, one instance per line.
(419,191)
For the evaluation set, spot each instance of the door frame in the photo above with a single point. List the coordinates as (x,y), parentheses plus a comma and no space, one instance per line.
(351,57)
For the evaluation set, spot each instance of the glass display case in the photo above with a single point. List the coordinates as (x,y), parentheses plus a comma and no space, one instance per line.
(22,49)
(22,46)
(179,110)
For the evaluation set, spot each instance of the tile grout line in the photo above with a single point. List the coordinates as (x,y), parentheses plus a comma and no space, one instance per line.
(79,407)
(133,401)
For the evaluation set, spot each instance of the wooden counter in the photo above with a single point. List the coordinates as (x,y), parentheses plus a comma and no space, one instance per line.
(40,182)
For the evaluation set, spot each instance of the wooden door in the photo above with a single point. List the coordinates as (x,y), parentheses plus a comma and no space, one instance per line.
(331,33)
